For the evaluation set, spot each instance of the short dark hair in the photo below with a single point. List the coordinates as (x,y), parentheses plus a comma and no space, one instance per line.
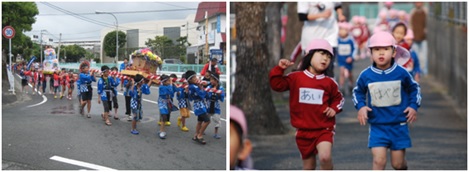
(114,68)
(103,68)
(173,75)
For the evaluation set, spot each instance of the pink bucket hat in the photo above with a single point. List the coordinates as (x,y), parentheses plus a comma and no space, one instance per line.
(355,19)
(320,44)
(344,25)
(401,13)
(385,39)
(237,116)
(409,35)
(383,14)
(388,3)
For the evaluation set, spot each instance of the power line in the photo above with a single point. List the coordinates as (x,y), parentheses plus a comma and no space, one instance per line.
(132,12)
(77,15)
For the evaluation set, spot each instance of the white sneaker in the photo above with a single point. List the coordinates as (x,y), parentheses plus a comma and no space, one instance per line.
(162,135)
(129,118)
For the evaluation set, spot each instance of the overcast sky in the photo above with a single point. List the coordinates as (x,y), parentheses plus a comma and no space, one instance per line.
(50,17)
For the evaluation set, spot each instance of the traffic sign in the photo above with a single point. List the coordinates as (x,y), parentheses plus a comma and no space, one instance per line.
(8,32)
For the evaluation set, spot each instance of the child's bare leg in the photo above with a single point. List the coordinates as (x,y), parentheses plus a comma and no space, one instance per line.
(183,121)
(197,128)
(398,161)
(89,106)
(309,163)
(163,118)
(202,129)
(134,123)
(379,158)
(324,153)
(350,78)
(342,77)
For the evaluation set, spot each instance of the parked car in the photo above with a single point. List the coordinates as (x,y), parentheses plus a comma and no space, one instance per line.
(172,61)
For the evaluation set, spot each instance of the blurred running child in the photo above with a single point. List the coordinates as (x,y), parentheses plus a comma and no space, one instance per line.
(136,90)
(415,68)
(56,79)
(71,84)
(346,52)
(64,81)
(215,95)
(240,145)
(388,116)
(315,100)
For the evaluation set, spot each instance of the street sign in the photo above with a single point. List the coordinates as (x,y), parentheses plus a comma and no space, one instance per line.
(8,32)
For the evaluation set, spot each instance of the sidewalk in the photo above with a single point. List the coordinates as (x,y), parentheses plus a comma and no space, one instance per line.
(8,98)
(439,137)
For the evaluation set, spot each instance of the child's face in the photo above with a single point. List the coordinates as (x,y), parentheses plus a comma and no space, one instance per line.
(167,82)
(409,41)
(213,81)
(106,73)
(343,33)
(193,79)
(86,69)
(399,33)
(320,61)
(382,56)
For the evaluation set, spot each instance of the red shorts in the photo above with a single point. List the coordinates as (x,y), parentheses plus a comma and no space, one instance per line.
(307,140)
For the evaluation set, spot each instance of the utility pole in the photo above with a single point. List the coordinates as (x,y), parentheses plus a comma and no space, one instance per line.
(206,34)
(41,46)
(187,31)
(58,54)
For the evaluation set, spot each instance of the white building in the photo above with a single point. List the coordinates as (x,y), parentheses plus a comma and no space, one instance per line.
(139,32)
(215,12)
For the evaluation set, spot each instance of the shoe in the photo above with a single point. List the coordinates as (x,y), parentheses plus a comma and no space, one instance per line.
(134,132)
(179,121)
(61,96)
(129,118)
(88,116)
(185,129)
(216,136)
(162,135)
(55,97)
(159,123)
(167,123)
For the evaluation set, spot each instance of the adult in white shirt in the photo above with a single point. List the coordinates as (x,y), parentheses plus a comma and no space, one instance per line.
(320,23)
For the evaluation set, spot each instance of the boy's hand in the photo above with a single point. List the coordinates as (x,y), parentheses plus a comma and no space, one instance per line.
(99,101)
(363,114)
(411,114)
(349,60)
(329,112)
(284,63)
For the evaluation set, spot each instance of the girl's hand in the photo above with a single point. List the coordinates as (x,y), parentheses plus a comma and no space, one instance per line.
(411,114)
(99,101)
(363,114)
(284,63)
(329,112)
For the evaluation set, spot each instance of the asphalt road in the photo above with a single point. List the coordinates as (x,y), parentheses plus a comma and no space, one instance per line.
(439,137)
(54,136)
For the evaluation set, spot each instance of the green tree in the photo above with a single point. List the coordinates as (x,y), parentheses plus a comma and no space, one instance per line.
(162,45)
(110,43)
(182,46)
(72,53)
(21,16)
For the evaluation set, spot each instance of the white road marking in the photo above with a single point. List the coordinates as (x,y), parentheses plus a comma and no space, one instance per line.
(43,97)
(80,163)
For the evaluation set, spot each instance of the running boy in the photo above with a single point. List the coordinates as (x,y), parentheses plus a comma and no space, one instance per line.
(214,97)
(346,51)
(197,95)
(314,102)
(393,99)
(105,92)
(136,90)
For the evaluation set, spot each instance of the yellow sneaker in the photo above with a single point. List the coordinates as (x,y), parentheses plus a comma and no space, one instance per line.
(179,121)
(55,97)
(167,123)
(184,129)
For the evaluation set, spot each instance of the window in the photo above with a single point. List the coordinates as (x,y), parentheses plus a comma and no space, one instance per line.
(214,26)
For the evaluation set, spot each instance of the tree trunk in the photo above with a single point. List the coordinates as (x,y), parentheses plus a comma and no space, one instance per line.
(252,90)
(274,25)
(294,27)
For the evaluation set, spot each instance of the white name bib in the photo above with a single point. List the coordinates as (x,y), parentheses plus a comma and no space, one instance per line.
(311,96)
(344,49)
(385,94)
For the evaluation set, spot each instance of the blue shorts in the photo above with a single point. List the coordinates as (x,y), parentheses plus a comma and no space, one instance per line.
(137,114)
(346,65)
(393,136)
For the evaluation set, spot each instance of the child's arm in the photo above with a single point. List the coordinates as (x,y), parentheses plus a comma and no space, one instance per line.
(145,89)
(359,99)
(100,90)
(415,98)
(278,82)
(117,81)
(222,94)
(337,100)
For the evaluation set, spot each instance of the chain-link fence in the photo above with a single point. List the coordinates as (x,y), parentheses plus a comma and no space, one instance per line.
(447,48)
